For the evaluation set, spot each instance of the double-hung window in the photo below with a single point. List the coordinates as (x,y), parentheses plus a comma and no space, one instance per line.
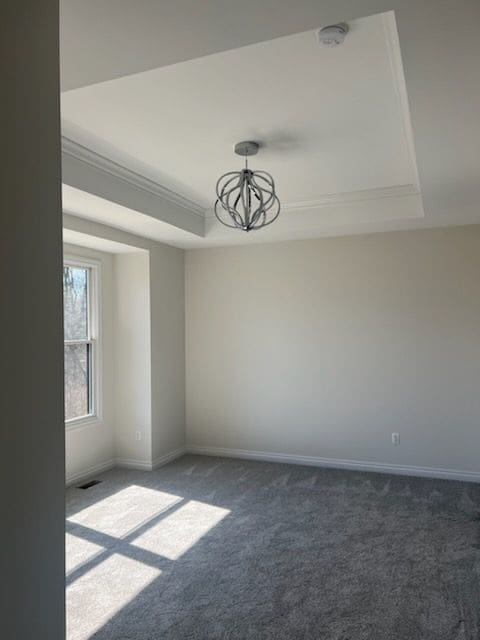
(80,312)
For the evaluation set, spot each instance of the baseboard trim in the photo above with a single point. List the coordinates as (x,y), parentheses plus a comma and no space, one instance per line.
(337,463)
(168,457)
(145,465)
(268,456)
(85,474)
(127,463)
(132,463)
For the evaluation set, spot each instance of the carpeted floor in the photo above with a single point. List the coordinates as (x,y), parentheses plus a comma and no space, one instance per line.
(211,548)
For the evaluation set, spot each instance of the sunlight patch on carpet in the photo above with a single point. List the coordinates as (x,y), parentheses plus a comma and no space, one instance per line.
(98,595)
(178,532)
(78,551)
(124,511)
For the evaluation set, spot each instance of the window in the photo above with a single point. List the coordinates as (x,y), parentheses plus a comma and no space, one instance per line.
(81,341)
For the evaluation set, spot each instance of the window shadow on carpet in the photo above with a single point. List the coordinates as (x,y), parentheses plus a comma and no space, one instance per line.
(209,548)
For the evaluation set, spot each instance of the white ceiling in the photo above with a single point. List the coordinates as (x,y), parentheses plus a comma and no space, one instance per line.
(114,38)
(335,122)
(330,119)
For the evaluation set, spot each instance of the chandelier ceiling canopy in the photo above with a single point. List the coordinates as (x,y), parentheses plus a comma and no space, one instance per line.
(246,199)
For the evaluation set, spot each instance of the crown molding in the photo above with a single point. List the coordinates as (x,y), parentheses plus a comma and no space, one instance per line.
(350,197)
(131,178)
(398,78)
(347,198)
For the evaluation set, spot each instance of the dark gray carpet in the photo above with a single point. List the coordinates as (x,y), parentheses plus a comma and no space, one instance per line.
(210,548)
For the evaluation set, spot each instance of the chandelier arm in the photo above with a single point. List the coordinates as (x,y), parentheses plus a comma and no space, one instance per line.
(222,188)
(236,217)
(275,216)
(232,210)
(225,194)
(263,176)
(234,175)
(268,183)
(249,199)
(244,191)
(270,192)
(225,175)
(217,215)
(267,201)
(261,215)
(263,218)
(228,173)
(224,200)
(260,208)
(229,189)
(237,200)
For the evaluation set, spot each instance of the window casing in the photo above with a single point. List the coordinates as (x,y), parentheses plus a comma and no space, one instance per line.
(81,341)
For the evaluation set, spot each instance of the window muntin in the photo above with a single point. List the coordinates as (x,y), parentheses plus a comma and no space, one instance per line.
(79,341)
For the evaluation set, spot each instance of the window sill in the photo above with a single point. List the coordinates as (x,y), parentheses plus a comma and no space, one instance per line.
(80,423)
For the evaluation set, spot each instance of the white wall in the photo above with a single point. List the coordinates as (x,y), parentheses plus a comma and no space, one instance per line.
(149,343)
(167,296)
(149,355)
(325,347)
(91,447)
(133,401)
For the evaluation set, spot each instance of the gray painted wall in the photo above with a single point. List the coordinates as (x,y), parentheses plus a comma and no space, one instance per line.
(325,347)
(32,437)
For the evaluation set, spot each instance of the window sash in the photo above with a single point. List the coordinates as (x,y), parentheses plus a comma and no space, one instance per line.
(86,320)
(91,341)
(90,355)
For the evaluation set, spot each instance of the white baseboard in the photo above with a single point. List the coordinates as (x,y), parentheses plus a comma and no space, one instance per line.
(132,463)
(127,463)
(336,463)
(168,457)
(267,456)
(85,474)
(145,465)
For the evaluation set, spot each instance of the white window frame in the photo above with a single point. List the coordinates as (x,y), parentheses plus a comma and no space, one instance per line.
(94,338)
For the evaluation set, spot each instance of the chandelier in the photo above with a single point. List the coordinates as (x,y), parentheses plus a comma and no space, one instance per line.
(248,197)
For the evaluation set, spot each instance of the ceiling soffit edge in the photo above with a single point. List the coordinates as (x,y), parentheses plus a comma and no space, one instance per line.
(133,179)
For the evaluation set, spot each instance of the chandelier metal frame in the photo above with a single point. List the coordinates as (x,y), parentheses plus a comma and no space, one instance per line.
(247,196)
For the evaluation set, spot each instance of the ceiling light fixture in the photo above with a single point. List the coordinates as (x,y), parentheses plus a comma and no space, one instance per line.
(248,197)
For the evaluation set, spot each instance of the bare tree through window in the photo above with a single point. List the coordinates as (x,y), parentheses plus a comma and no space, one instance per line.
(78,345)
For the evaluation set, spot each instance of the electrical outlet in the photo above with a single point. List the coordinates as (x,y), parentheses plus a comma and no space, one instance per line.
(138,435)
(395,438)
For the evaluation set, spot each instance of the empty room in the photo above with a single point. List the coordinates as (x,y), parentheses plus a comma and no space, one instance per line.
(242,294)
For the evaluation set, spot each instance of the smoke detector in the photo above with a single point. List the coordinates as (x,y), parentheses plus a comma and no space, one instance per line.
(333,35)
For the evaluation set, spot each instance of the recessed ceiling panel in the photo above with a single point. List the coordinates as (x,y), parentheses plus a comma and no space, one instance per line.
(330,120)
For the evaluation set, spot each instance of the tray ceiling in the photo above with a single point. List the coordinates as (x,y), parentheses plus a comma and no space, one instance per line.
(143,149)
